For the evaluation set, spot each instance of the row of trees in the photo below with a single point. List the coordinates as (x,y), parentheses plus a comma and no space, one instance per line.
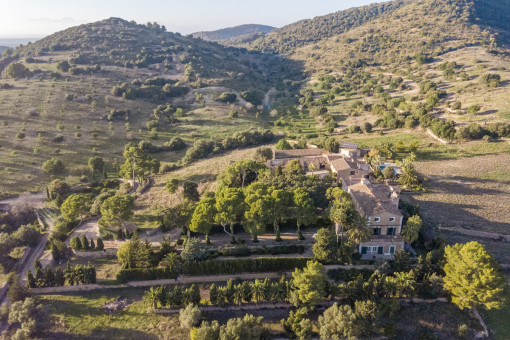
(82,243)
(48,277)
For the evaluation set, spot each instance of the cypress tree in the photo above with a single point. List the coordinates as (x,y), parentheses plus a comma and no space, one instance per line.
(58,201)
(49,277)
(92,245)
(100,244)
(30,280)
(84,242)
(59,277)
(213,294)
(55,252)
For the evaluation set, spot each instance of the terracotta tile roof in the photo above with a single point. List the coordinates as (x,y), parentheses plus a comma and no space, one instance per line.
(342,164)
(373,199)
(297,153)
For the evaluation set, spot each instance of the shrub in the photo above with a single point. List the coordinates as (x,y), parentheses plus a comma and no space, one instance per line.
(189,316)
(143,274)
(248,265)
(76,243)
(227,97)
(17,70)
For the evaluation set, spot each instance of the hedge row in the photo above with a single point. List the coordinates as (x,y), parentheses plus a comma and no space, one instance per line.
(245,251)
(249,265)
(143,274)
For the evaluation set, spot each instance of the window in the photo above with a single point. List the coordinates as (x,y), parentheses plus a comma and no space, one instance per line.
(374,249)
(377,231)
(392,219)
(353,173)
(377,219)
(380,250)
(392,249)
(363,250)
(390,231)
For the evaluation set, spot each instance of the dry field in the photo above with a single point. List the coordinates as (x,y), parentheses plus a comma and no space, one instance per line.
(467,192)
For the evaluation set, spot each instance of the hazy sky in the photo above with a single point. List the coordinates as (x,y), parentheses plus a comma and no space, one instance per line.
(21,18)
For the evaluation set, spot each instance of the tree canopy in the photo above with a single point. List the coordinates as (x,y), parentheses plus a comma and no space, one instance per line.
(473,278)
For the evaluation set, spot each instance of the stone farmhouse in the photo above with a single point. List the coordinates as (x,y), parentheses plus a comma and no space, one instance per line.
(376,202)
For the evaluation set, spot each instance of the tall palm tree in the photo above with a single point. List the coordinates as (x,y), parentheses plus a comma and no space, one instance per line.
(359,231)
(152,296)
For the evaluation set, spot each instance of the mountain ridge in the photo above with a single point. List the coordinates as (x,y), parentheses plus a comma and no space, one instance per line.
(233,32)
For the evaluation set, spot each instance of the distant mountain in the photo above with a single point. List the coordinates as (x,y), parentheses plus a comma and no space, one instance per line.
(233,32)
(13,42)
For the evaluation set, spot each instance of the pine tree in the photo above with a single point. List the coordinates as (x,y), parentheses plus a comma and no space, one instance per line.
(17,292)
(473,277)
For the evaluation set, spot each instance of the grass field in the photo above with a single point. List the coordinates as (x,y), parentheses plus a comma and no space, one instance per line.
(37,110)
(81,317)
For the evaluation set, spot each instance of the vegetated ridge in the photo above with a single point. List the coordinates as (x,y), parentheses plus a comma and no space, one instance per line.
(233,32)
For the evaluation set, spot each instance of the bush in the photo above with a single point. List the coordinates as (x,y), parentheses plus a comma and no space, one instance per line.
(227,97)
(249,265)
(189,316)
(143,274)
(76,243)
(283,145)
(17,70)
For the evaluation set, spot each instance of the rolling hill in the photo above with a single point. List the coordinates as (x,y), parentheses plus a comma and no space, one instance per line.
(233,32)
(91,89)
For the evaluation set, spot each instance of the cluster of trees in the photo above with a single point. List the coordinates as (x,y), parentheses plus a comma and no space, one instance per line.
(82,243)
(204,148)
(48,277)
(254,206)
(248,327)
(18,228)
(135,254)
(137,165)
(27,316)
(173,296)
(258,291)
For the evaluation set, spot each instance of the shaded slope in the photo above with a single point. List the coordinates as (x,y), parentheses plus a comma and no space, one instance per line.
(233,32)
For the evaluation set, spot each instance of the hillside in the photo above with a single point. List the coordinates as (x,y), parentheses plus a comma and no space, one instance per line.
(91,89)
(308,31)
(233,32)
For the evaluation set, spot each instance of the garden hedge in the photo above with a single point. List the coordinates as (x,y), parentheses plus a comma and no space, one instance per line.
(244,265)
